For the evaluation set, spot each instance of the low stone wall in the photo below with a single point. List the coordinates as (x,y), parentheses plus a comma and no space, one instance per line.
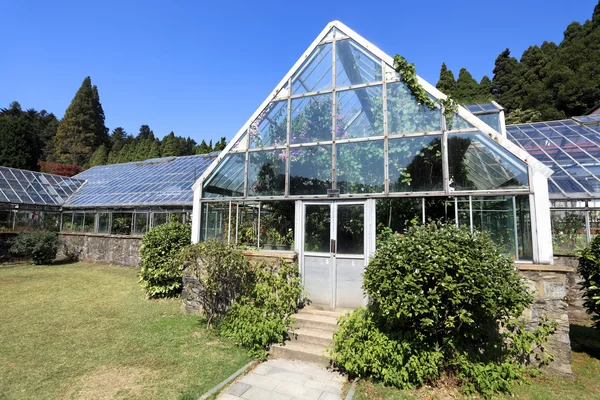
(112,249)
(548,283)
(577,312)
(191,288)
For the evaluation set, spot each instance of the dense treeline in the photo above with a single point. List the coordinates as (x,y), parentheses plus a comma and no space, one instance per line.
(35,140)
(549,81)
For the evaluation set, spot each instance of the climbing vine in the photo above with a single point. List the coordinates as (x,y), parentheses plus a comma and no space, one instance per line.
(408,74)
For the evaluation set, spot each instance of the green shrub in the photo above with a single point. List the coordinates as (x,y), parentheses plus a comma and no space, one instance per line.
(39,247)
(443,301)
(161,272)
(223,273)
(263,314)
(589,269)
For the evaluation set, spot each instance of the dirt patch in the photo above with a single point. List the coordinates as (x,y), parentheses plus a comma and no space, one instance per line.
(112,383)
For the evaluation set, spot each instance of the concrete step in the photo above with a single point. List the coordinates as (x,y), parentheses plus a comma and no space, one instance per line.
(315,311)
(315,321)
(313,336)
(307,352)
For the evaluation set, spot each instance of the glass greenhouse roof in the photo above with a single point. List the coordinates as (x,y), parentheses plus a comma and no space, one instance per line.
(160,181)
(344,121)
(488,113)
(27,187)
(571,148)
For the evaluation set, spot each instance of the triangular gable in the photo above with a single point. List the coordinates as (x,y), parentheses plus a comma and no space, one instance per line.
(336,29)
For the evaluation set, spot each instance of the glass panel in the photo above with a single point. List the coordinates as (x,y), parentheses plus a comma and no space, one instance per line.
(568,231)
(360,167)
(496,216)
(140,223)
(50,221)
(176,217)
(310,170)
(398,214)
(334,33)
(121,223)
(350,229)
(524,228)
(311,119)
(458,122)
(315,73)
(492,120)
(159,219)
(478,163)
(241,144)
(89,222)
(270,128)
(214,221)
(277,225)
(317,233)
(78,222)
(104,222)
(440,209)
(247,230)
(67,222)
(6,220)
(27,220)
(359,113)
(227,180)
(355,65)
(594,222)
(266,173)
(415,164)
(405,115)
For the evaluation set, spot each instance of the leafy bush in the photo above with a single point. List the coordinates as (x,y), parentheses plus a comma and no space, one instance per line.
(161,272)
(263,315)
(589,269)
(443,301)
(223,273)
(39,247)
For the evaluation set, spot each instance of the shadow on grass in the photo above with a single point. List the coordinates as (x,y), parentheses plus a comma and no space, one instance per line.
(585,339)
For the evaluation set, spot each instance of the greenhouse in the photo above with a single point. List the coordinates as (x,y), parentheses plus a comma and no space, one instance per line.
(571,148)
(341,150)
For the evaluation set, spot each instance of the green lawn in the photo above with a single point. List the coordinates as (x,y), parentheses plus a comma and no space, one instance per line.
(86,331)
(585,383)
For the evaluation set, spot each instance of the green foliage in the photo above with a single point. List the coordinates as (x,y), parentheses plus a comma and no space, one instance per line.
(82,128)
(39,247)
(443,301)
(589,269)
(223,274)
(263,314)
(99,157)
(160,272)
(447,83)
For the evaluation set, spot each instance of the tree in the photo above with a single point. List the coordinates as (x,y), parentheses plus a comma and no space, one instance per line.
(446,84)
(19,144)
(504,79)
(485,88)
(203,148)
(221,144)
(100,156)
(82,128)
(467,88)
(170,145)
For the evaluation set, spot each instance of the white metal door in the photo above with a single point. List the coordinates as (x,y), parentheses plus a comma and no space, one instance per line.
(334,240)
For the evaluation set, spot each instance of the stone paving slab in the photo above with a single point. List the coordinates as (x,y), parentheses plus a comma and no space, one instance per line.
(279,379)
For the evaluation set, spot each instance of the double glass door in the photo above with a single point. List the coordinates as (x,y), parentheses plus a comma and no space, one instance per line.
(337,238)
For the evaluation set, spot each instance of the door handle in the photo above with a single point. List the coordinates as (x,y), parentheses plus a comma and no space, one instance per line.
(332,246)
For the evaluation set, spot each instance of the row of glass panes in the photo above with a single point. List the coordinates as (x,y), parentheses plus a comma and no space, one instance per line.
(254,224)
(414,165)
(119,223)
(23,220)
(573,229)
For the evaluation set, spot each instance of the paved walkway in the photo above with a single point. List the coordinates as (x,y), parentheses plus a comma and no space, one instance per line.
(279,379)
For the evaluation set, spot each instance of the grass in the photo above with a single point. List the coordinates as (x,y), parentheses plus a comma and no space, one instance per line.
(584,384)
(86,331)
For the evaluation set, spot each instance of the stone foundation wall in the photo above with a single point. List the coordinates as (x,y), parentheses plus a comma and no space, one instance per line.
(191,305)
(112,249)
(549,284)
(577,312)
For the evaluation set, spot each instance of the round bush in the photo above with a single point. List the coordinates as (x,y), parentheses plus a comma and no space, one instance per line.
(39,247)
(589,269)
(443,300)
(161,273)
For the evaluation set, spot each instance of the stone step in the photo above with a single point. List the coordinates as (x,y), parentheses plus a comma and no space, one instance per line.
(313,336)
(307,352)
(316,311)
(315,321)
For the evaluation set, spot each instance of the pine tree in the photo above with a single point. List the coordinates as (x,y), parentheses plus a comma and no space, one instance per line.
(99,157)
(203,148)
(82,127)
(467,89)
(505,76)
(446,84)
(170,145)
(221,144)
(485,88)
(19,145)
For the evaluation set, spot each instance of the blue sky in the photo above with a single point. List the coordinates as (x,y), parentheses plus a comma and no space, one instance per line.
(201,69)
